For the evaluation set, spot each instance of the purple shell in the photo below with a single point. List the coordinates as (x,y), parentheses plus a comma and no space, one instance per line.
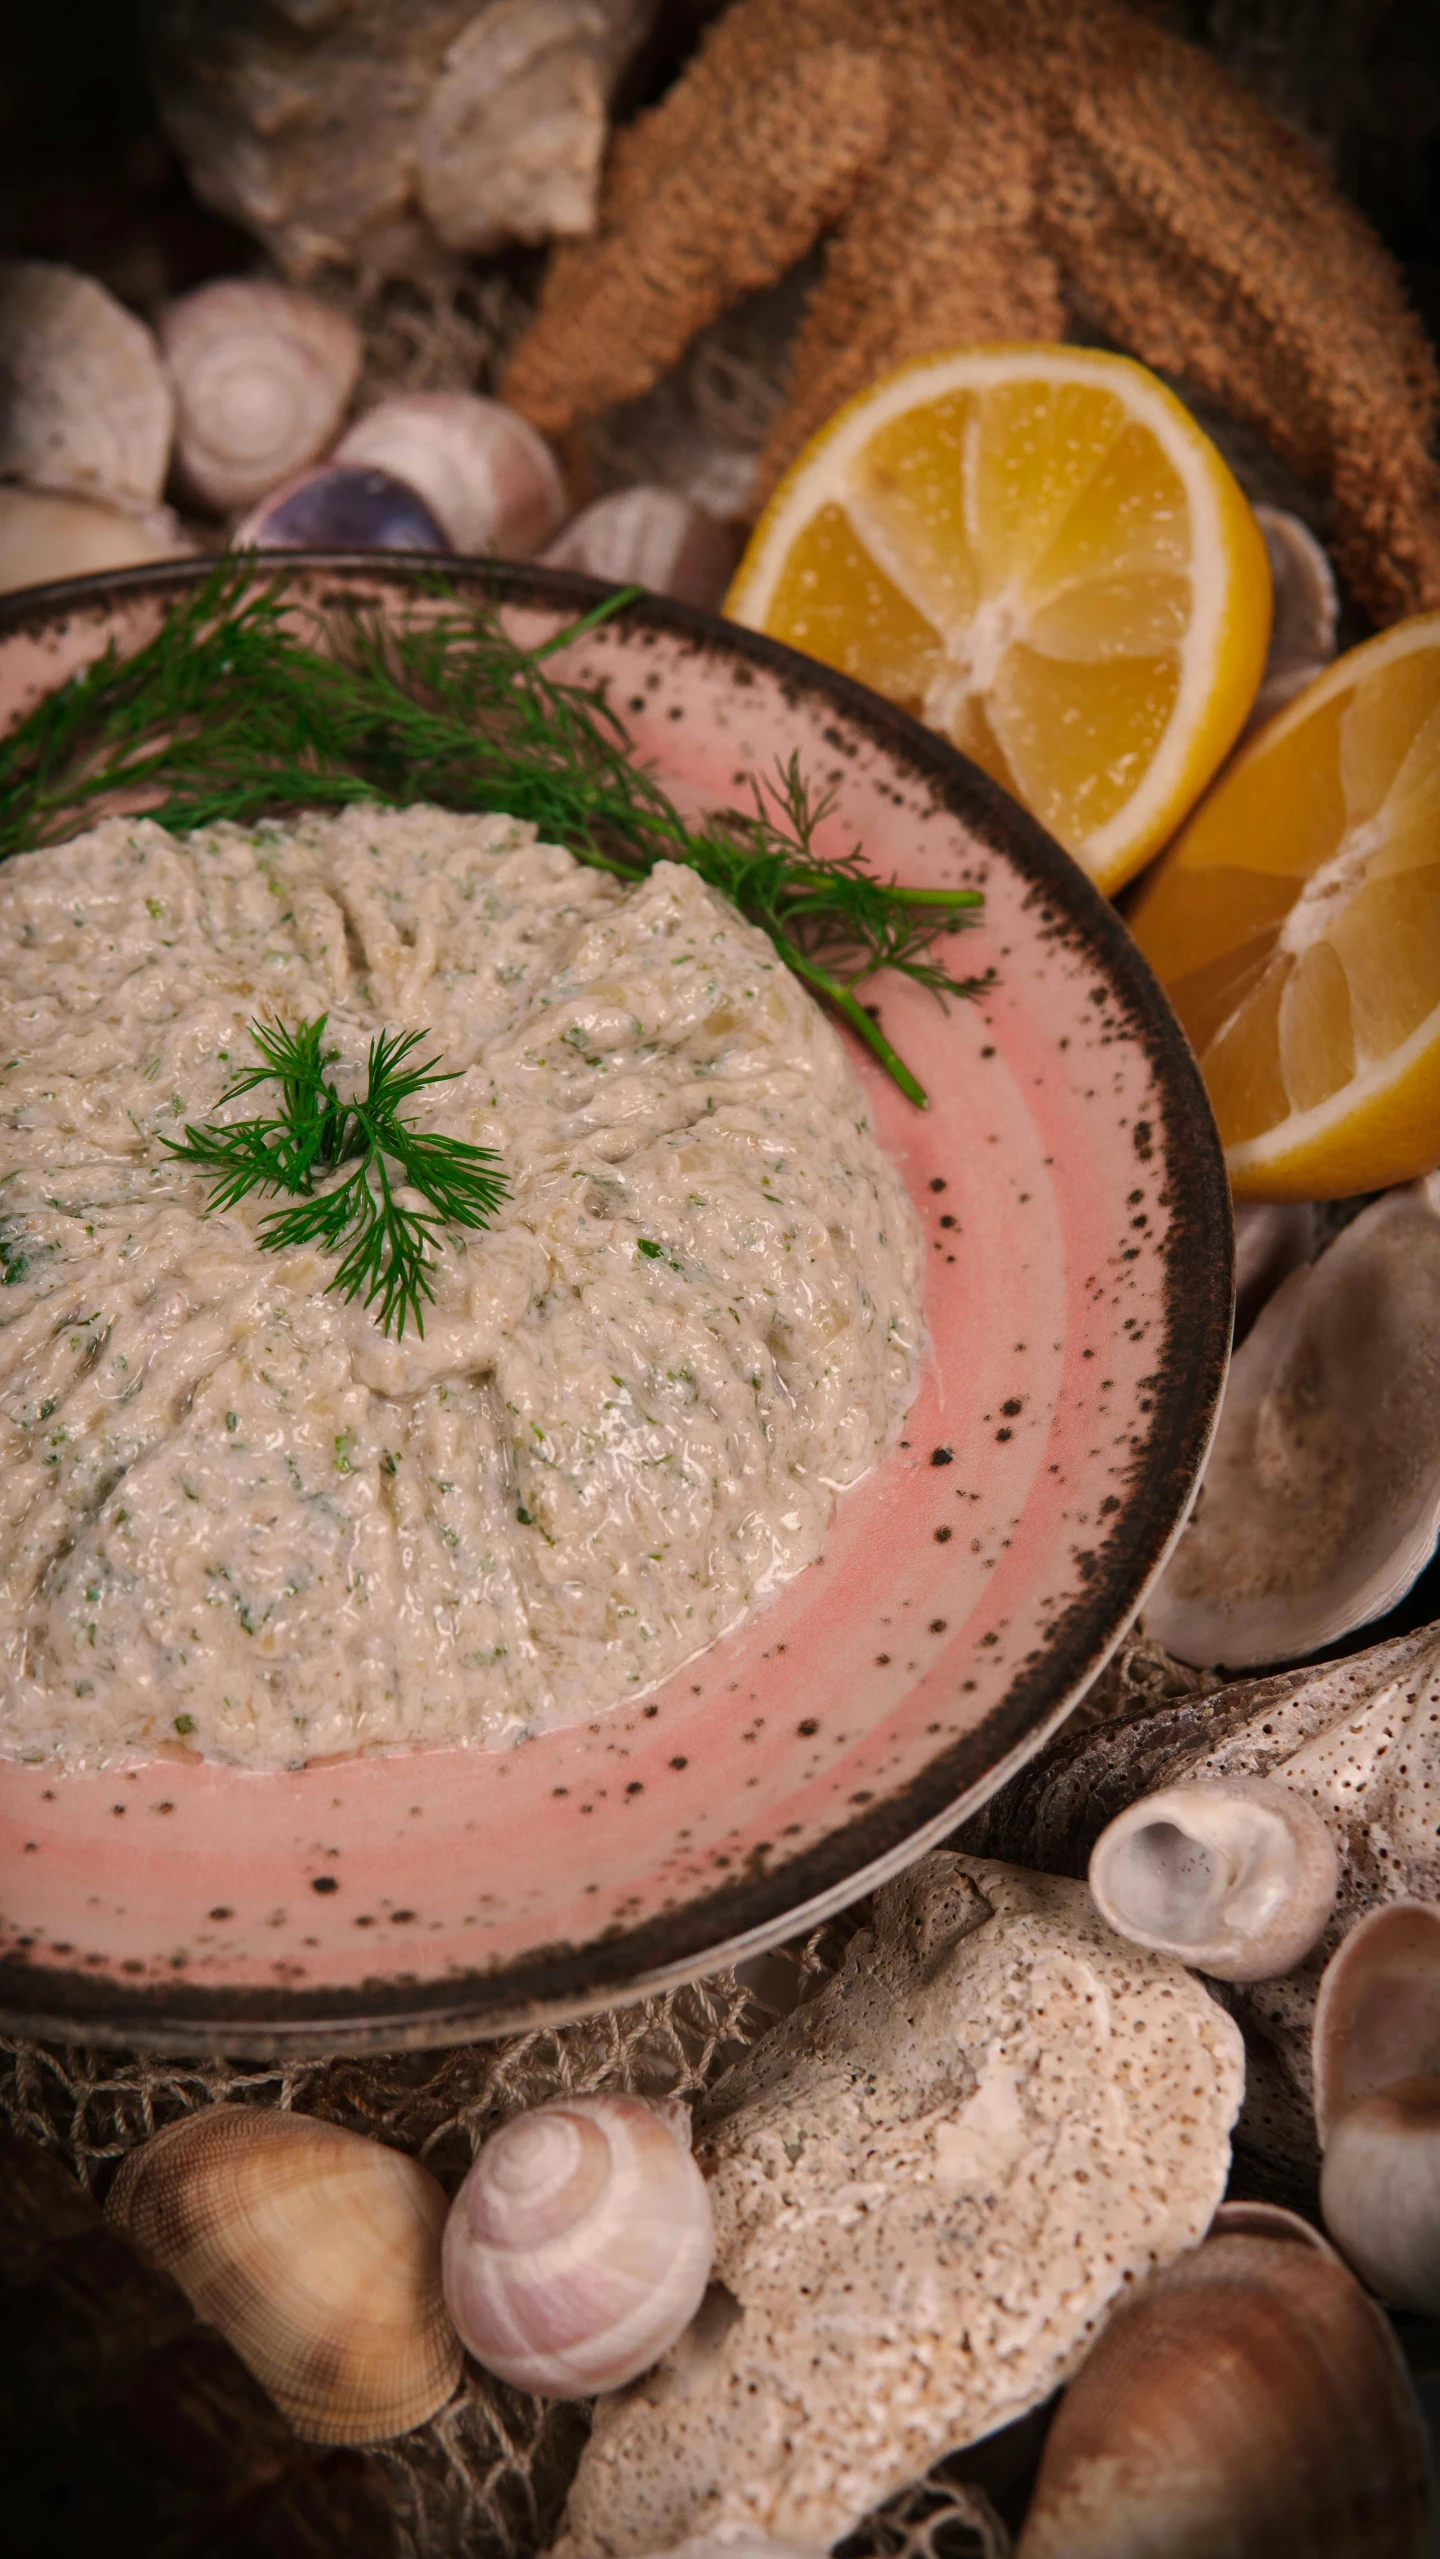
(343,506)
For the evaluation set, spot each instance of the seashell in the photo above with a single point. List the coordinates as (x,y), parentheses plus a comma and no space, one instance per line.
(513,133)
(43,536)
(1306,612)
(1234,1875)
(315,2253)
(342,506)
(1377,2016)
(84,402)
(1320,1502)
(580,2245)
(262,375)
(650,537)
(1272,1239)
(1380,2191)
(485,474)
(1247,2399)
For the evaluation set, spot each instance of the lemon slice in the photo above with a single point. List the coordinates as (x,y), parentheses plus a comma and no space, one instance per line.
(1036,550)
(1296,928)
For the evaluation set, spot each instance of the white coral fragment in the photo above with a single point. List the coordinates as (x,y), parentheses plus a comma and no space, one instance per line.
(929,2184)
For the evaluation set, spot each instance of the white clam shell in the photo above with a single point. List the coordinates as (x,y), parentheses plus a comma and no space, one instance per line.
(314,2252)
(1320,1502)
(1235,1876)
(1247,2399)
(43,536)
(262,376)
(1380,2191)
(1377,2015)
(84,403)
(1305,616)
(580,2245)
(493,483)
(651,537)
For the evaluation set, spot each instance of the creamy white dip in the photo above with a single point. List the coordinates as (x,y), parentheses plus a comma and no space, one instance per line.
(240,1520)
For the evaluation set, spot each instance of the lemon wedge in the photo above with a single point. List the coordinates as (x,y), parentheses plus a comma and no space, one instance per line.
(1037,551)
(1296,928)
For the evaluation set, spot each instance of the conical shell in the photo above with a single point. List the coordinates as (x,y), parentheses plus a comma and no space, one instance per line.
(1235,1875)
(314,2252)
(580,2245)
(1248,2401)
(262,375)
(1320,1502)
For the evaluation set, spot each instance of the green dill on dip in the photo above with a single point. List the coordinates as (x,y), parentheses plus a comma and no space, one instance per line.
(254,1507)
(387,1244)
(229,712)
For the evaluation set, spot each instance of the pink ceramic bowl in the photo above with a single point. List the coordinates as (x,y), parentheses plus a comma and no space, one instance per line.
(1077,1227)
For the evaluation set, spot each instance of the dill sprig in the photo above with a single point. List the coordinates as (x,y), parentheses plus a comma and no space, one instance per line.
(391,1247)
(231,712)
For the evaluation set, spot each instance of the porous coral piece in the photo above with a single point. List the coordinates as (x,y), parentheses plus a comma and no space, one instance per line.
(1026,158)
(929,2184)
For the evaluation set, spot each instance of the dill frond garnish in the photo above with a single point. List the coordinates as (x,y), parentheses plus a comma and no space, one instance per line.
(230,713)
(391,1248)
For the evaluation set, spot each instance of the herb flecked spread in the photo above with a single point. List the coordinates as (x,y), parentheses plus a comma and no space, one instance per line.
(241,1518)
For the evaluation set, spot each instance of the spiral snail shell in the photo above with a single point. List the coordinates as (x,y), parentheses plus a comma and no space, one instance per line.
(315,2253)
(580,2244)
(1234,1875)
(491,482)
(261,375)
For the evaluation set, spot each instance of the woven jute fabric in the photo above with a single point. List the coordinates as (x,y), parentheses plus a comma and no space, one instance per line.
(488,2476)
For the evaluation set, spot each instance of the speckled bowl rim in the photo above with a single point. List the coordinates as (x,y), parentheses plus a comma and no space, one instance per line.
(552,1983)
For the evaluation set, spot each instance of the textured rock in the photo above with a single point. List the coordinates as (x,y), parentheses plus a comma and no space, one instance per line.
(929,2184)
(1360,1739)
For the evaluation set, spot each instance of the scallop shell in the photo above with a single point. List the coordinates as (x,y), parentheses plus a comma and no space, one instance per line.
(1234,1875)
(84,403)
(1249,2400)
(650,537)
(483,471)
(314,2252)
(580,2245)
(1320,1503)
(262,375)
